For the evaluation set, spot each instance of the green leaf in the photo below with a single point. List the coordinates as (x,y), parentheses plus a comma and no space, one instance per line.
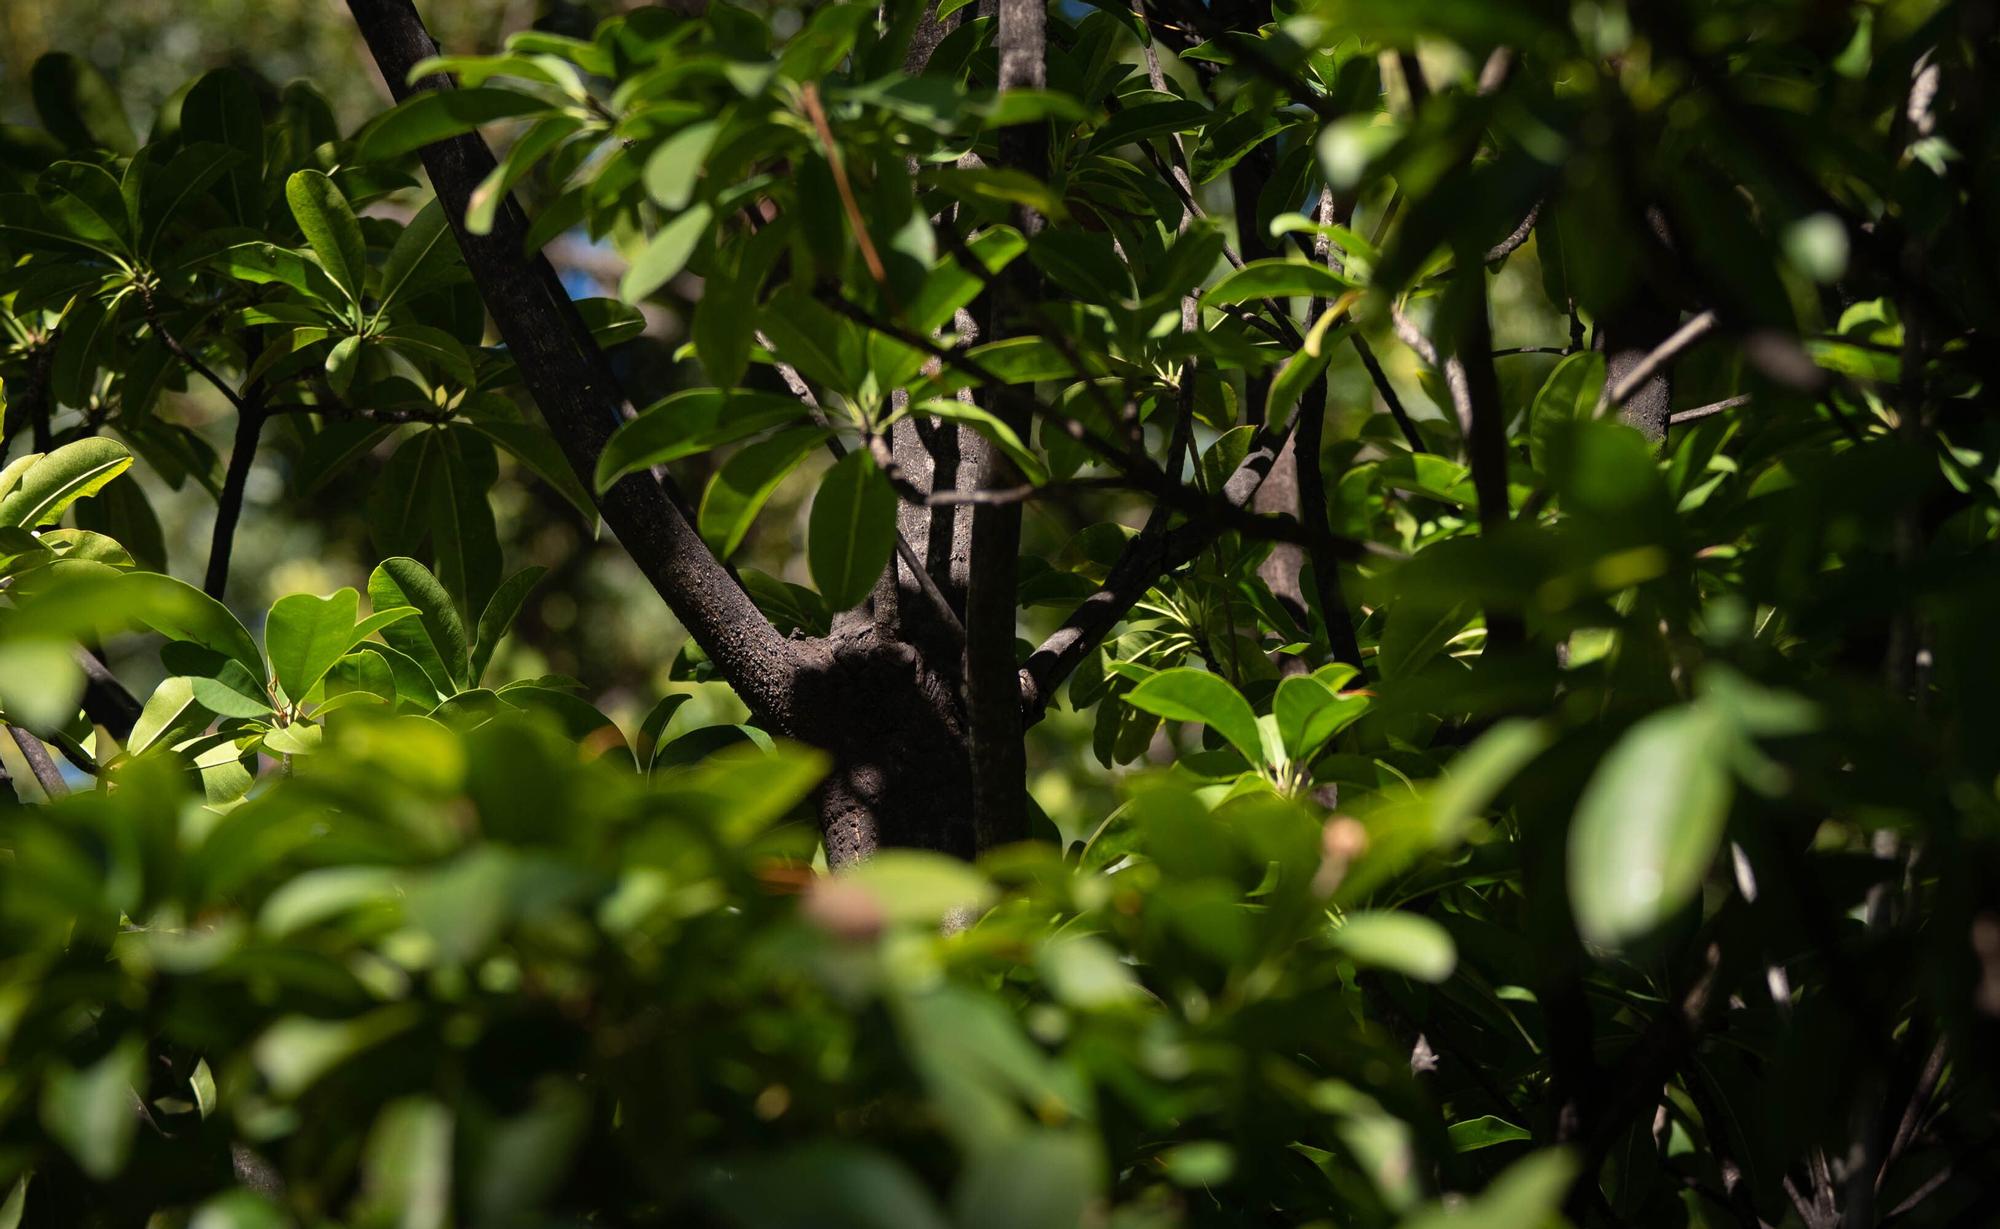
(1310,713)
(62,477)
(436,115)
(534,447)
(78,106)
(665,254)
(1475,1133)
(826,1184)
(1648,824)
(919,887)
(1567,396)
(1039,1177)
(182,612)
(93,1113)
(1276,279)
(1148,120)
(295,1052)
(527,150)
(989,425)
(1405,943)
(1186,694)
(305,635)
(655,724)
(674,167)
(852,532)
(424,345)
(423,257)
(746,481)
(501,611)
(168,711)
(323,214)
(222,108)
(690,422)
(435,640)
(40,683)
(1023,360)
(239,1210)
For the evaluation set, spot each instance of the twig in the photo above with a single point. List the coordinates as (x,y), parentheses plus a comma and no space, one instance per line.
(105,700)
(886,460)
(1395,403)
(174,347)
(229,504)
(47,775)
(1704,411)
(809,96)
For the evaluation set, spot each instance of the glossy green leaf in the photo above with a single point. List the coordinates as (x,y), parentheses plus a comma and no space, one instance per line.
(1649,823)
(746,481)
(498,617)
(691,422)
(1405,943)
(523,156)
(59,479)
(305,635)
(182,612)
(1275,279)
(78,105)
(674,167)
(90,1111)
(852,532)
(666,253)
(222,108)
(435,639)
(329,225)
(1185,694)
(436,115)
(1310,713)
(423,257)
(1567,396)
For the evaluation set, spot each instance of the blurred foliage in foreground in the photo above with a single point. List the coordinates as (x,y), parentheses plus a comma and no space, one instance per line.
(1607,830)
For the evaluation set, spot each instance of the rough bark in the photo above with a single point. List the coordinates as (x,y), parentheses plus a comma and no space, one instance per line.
(999,761)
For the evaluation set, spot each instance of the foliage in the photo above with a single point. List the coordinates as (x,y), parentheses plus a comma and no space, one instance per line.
(1515,818)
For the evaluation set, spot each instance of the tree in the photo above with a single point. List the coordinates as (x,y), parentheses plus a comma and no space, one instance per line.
(1557,434)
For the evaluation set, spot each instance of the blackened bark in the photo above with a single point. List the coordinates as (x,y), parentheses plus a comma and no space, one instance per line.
(578,394)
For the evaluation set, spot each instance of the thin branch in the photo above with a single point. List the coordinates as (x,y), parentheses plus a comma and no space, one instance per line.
(229,504)
(105,700)
(809,97)
(357,414)
(1313,511)
(1388,392)
(1518,236)
(174,347)
(47,775)
(1450,366)
(1704,411)
(1696,328)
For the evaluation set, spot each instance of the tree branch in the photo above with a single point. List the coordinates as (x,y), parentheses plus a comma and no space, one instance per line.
(578,393)
(47,775)
(229,504)
(999,763)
